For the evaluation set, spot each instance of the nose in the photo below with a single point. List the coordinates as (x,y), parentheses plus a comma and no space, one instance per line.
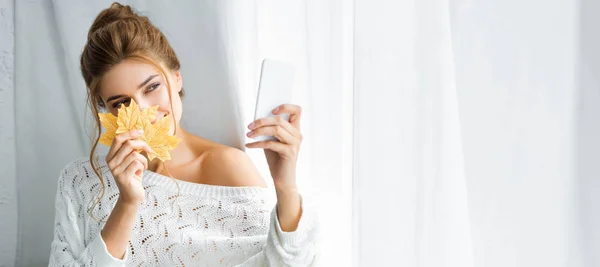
(144,104)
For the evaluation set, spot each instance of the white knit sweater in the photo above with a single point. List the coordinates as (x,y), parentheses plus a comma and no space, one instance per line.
(205,225)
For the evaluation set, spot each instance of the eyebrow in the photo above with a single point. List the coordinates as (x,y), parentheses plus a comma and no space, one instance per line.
(139,86)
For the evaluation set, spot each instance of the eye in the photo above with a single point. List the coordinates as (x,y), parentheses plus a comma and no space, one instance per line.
(152,87)
(125,101)
(118,104)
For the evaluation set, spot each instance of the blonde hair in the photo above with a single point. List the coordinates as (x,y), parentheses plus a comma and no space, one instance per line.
(119,34)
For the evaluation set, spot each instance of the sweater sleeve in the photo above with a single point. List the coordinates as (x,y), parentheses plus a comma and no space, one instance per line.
(68,247)
(297,248)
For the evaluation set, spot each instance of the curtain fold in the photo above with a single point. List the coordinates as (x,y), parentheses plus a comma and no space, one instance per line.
(410,182)
(443,234)
(8,180)
(315,36)
(517,79)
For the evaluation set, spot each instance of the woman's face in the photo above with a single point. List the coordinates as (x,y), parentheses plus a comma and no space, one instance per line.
(143,83)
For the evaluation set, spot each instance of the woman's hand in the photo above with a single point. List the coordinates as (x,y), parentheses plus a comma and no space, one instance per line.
(283,154)
(281,157)
(127,166)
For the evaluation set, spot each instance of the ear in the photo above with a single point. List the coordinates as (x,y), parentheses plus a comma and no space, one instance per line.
(179,80)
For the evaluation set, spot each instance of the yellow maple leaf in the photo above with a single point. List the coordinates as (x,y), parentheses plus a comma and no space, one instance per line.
(157,137)
(130,118)
(109,121)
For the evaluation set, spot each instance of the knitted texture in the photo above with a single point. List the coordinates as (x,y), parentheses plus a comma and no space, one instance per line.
(178,224)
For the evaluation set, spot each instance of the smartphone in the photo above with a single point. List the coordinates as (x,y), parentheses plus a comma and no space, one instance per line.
(275,88)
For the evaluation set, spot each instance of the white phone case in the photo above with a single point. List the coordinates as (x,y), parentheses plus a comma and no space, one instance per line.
(275,88)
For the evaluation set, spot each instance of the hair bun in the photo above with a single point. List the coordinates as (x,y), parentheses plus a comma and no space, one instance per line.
(115,12)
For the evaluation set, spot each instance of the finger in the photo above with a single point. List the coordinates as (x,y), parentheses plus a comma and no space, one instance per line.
(277,120)
(277,131)
(128,146)
(128,160)
(119,140)
(135,170)
(295,112)
(280,148)
(125,150)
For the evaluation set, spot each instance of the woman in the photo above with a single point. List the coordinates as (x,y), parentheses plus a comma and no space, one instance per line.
(123,210)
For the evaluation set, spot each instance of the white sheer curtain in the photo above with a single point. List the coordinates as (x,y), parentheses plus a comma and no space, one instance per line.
(587,137)
(430,140)
(527,87)
(316,36)
(8,183)
(410,191)
(519,67)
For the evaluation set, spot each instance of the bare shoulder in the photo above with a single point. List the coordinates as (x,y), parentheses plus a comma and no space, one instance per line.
(229,166)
